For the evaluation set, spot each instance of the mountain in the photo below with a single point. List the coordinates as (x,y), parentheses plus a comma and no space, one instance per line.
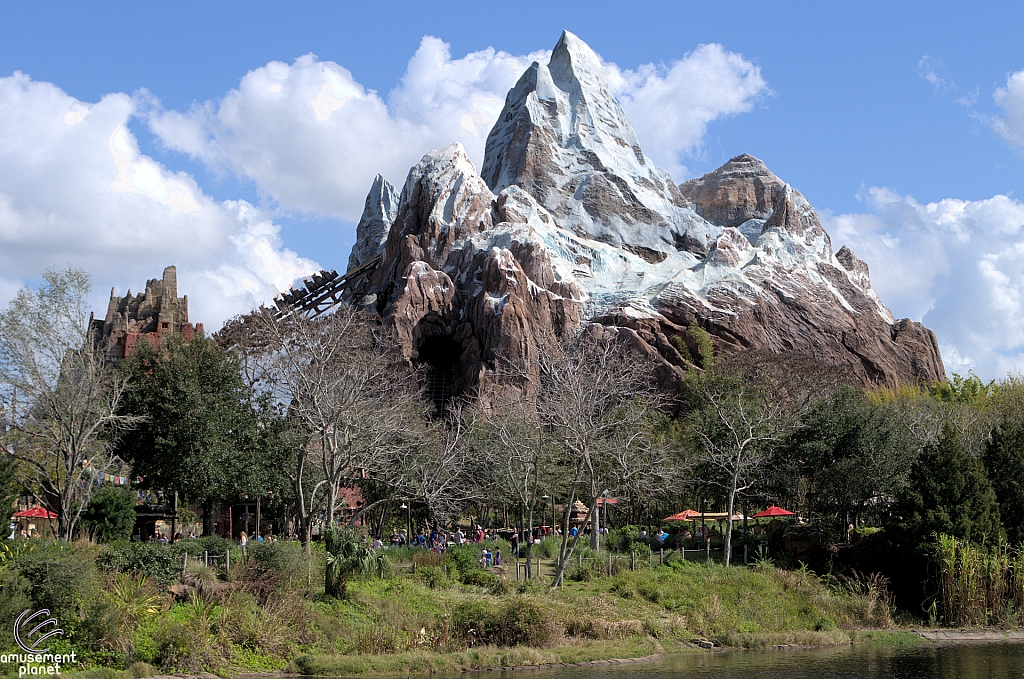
(569,224)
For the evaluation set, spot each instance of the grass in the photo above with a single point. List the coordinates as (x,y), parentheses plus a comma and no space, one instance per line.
(452,616)
(630,614)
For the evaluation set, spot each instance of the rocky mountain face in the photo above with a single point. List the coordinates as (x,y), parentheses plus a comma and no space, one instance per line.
(569,224)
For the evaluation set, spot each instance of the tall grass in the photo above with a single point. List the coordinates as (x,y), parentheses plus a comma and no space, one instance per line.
(979,585)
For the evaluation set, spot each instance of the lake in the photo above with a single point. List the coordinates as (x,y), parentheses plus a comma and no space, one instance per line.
(929,660)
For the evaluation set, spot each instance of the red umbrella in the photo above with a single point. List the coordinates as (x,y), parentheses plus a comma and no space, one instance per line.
(685,515)
(773,511)
(35,513)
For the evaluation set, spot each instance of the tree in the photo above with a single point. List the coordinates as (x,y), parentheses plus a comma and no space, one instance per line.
(344,392)
(9,488)
(110,514)
(948,493)
(595,399)
(850,451)
(1004,463)
(733,426)
(201,435)
(522,460)
(59,397)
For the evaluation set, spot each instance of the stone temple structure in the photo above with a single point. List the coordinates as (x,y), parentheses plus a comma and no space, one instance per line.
(148,316)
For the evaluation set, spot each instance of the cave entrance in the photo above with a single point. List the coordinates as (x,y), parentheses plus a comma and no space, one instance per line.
(441,354)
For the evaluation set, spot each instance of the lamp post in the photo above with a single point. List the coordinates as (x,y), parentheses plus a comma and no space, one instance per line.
(408,536)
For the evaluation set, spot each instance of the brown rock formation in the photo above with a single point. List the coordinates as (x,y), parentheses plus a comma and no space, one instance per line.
(581,230)
(149,316)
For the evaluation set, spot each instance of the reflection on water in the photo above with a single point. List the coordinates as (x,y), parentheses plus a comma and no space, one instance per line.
(925,661)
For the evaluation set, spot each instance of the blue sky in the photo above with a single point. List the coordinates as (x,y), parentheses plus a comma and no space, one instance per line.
(900,122)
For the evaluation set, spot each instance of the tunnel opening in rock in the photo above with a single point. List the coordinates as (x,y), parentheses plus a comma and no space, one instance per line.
(442,357)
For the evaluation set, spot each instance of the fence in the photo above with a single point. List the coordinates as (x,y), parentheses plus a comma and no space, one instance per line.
(210,560)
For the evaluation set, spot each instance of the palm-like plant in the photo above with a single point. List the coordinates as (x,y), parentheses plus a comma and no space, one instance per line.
(133,599)
(349,556)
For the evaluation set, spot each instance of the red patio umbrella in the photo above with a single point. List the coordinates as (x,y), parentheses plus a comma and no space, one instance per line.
(772,512)
(35,513)
(685,515)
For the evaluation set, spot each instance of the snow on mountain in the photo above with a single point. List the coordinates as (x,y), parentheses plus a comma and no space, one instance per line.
(568,221)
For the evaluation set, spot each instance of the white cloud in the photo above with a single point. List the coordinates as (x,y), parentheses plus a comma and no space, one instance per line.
(312,138)
(1011,100)
(955,265)
(74,189)
(671,107)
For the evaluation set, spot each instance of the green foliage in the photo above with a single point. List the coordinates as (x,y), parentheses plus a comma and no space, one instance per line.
(201,435)
(60,578)
(214,545)
(9,489)
(285,559)
(705,345)
(110,514)
(967,390)
(680,345)
(349,555)
(949,493)
(1004,462)
(464,559)
(159,562)
(979,585)
(519,621)
(701,341)
(849,451)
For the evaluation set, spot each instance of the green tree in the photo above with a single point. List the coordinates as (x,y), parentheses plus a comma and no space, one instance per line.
(9,488)
(850,451)
(110,515)
(202,435)
(1004,461)
(948,492)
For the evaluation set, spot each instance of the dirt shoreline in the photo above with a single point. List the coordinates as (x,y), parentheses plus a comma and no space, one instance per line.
(969,635)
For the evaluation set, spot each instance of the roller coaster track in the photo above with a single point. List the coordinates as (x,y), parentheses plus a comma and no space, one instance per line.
(323,291)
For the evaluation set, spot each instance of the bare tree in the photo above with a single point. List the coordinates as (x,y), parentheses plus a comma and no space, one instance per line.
(594,396)
(734,426)
(437,463)
(345,391)
(59,397)
(523,461)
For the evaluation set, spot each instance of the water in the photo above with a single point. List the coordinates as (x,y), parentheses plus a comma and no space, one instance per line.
(974,660)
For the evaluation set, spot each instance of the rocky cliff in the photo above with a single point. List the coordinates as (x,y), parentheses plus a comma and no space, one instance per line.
(569,223)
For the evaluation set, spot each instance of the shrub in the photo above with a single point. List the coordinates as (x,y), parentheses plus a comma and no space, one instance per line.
(159,562)
(214,545)
(582,573)
(480,578)
(522,622)
(433,577)
(464,559)
(110,514)
(824,624)
(286,560)
(650,591)
(62,579)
